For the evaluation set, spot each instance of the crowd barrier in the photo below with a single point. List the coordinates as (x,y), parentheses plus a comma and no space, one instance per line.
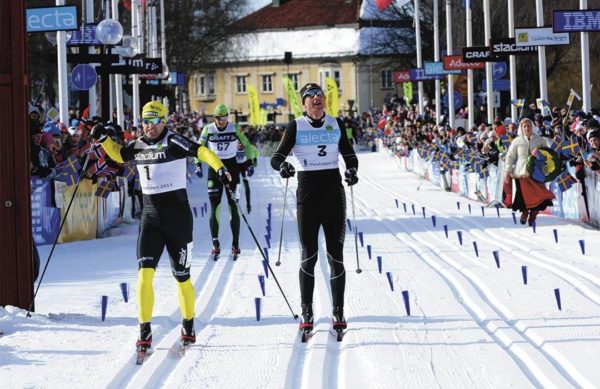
(90,216)
(488,189)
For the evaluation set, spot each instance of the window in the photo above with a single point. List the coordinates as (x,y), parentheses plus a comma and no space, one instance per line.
(331,70)
(240,84)
(294,77)
(387,81)
(267,83)
(205,85)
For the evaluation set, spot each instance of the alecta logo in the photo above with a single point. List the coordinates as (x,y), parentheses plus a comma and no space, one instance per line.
(61,18)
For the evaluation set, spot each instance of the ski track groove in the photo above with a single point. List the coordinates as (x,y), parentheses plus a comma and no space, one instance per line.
(521,357)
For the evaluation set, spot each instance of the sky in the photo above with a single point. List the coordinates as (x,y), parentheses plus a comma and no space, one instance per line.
(471,323)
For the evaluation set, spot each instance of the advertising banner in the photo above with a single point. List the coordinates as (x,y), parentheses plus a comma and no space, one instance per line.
(402,76)
(418,74)
(508,46)
(476,54)
(576,20)
(540,36)
(437,69)
(81,220)
(455,62)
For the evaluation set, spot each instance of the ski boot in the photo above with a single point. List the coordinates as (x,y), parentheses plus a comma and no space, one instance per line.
(307,322)
(188,335)
(532,217)
(235,252)
(339,322)
(144,342)
(216,249)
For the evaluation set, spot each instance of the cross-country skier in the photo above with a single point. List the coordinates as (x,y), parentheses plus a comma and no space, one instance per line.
(160,157)
(316,140)
(222,137)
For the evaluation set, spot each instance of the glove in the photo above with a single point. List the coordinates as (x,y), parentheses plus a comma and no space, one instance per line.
(286,170)
(224,176)
(351,177)
(199,171)
(98,132)
(250,171)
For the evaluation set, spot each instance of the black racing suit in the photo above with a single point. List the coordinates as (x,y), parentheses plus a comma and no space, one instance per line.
(321,201)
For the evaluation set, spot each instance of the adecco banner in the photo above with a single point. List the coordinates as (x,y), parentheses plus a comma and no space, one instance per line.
(540,36)
(576,20)
(476,54)
(437,69)
(402,76)
(43,19)
(508,46)
(455,62)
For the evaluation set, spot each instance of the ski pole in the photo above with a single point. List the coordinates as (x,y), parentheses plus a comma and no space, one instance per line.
(62,223)
(230,194)
(358,269)
(282,219)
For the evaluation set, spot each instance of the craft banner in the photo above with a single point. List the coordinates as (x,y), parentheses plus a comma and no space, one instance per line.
(331,97)
(292,97)
(254,105)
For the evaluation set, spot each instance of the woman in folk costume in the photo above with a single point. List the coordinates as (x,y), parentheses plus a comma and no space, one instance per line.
(531,196)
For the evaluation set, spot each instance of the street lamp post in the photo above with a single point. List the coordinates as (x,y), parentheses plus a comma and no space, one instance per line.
(109,32)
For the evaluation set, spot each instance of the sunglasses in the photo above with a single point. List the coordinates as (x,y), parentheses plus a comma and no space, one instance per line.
(313,93)
(154,121)
(221,118)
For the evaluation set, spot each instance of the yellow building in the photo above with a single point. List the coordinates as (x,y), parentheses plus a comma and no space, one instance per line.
(323,38)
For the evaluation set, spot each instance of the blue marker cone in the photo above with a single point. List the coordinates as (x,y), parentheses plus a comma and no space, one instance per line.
(475,248)
(268,239)
(257,305)
(423,208)
(469,206)
(124,291)
(555,232)
(195,212)
(496,258)
(524,273)
(446,230)
(266,268)
(406,301)
(413,209)
(266,251)
(482,211)
(433,220)
(498,210)
(582,246)
(369,250)
(103,305)
(557,295)
(261,281)
(202,211)
(458,205)
(514,218)
(349,224)
(360,237)
(379,263)
(269,205)
(396,200)
(205,207)
(389,277)
(533,225)
(404,206)
(459,234)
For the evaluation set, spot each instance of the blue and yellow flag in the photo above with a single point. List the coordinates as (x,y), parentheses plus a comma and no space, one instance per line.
(565,181)
(570,146)
(331,94)
(518,102)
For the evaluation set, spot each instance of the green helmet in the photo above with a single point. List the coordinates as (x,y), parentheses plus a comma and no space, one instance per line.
(221,110)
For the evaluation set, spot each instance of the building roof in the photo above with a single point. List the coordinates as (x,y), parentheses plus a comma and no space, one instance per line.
(302,13)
